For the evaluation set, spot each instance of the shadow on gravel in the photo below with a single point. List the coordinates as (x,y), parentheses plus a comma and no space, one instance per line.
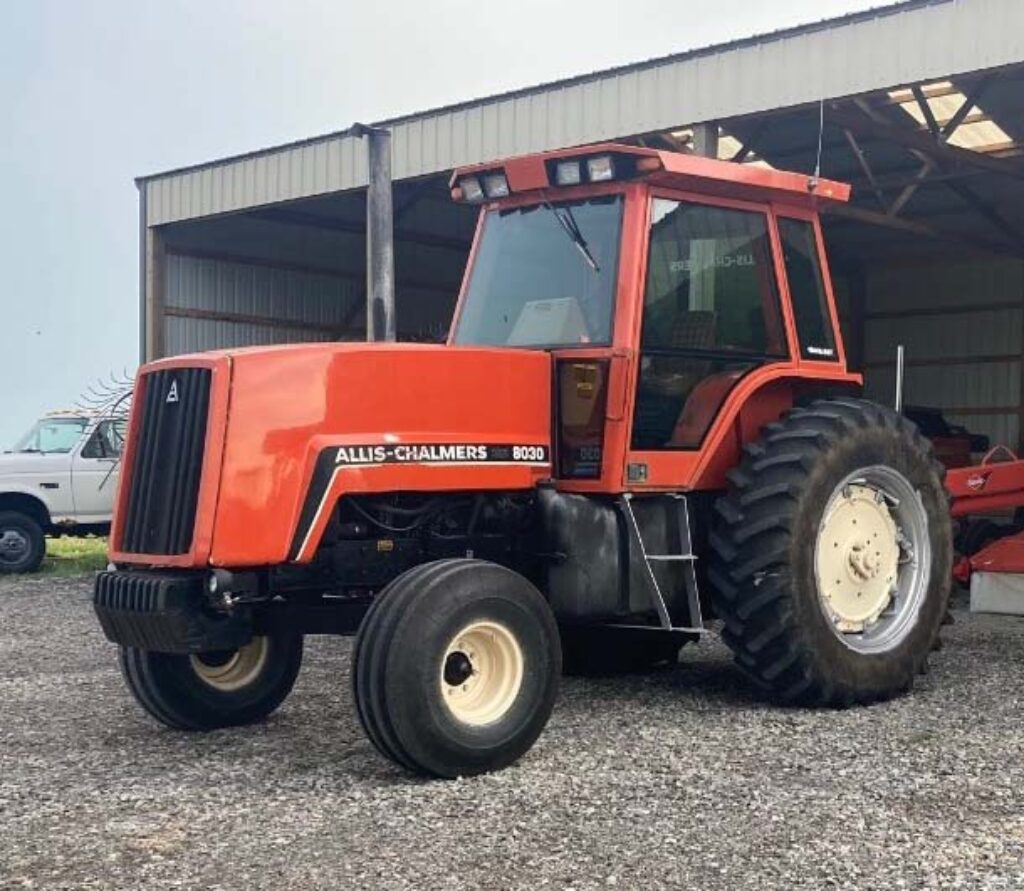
(701,687)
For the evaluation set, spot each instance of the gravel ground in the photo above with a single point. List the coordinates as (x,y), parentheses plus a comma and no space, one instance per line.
(680,778)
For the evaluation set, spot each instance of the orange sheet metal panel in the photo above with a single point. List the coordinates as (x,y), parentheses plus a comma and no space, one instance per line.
(676,170)
(290,405)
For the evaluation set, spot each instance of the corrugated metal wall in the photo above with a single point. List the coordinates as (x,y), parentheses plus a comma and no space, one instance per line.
(319,304)
(248,305)
(962,324)
(869,51)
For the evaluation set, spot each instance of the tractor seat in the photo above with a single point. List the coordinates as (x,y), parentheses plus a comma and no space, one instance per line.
(690,330)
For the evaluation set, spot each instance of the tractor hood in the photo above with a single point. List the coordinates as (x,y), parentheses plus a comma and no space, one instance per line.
(292,429)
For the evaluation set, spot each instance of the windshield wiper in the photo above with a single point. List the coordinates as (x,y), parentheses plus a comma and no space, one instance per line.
(568,223)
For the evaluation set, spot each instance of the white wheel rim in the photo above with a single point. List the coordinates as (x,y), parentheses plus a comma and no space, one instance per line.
(230,672)
(481,673)
(872,559)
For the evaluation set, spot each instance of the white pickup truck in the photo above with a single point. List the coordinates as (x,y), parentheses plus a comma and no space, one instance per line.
(61,476)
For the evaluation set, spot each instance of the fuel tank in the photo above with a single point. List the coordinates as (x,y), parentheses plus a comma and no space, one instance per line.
(280,433)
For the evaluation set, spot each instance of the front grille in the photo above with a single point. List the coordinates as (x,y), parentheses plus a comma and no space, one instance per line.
(163,487)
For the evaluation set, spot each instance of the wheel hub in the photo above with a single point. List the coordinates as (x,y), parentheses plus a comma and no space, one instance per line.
(228,671)
(857,560)
(481,673)
(13,545)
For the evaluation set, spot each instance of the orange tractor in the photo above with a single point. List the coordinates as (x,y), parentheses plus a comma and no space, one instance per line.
(642,420)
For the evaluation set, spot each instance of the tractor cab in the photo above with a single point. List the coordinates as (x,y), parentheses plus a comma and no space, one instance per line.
(667,287)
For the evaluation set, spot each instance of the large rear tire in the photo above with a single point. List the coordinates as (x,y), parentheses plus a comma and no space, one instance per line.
(211,690)
(832,553)
(455,668)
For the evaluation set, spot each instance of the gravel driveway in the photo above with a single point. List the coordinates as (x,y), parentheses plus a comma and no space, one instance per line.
(677,779)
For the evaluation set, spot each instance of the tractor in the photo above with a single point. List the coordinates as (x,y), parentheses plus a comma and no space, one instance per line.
(641,427)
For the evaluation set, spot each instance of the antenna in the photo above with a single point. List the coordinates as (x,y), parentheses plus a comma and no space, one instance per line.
(812,183)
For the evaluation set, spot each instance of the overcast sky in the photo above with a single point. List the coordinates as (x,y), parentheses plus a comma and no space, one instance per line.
(93,94)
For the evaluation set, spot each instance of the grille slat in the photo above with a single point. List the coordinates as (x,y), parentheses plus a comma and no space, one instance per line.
(165,476)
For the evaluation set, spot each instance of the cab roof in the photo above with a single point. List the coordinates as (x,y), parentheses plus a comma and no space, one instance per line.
(693,173)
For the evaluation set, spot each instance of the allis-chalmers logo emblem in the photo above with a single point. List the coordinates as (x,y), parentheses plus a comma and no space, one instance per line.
(976,482)
(172,394)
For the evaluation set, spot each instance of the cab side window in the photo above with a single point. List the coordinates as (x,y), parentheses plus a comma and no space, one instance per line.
(106,441)
(711,314)
(807,290)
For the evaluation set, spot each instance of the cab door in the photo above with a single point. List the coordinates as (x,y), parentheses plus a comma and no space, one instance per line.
(711,317)
(94,469)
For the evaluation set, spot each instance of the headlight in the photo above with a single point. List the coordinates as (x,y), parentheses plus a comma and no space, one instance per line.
(600,169)
(495,185)
(567,173)
(471,190)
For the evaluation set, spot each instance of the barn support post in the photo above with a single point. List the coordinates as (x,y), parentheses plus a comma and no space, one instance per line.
(705,140)
(154,284)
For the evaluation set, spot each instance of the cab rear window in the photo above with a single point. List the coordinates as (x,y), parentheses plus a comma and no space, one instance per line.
(807,290)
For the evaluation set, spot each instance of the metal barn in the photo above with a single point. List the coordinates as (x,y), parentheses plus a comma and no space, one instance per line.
(922,105)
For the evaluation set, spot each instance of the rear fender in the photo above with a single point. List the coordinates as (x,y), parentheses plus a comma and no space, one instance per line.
(766,403)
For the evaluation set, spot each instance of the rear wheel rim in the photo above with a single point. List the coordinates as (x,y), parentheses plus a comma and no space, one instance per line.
(14,546)
(481,673)
(872,559)
(231,670)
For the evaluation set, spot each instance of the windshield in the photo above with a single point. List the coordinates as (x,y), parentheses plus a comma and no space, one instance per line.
(544,276)
(52,435)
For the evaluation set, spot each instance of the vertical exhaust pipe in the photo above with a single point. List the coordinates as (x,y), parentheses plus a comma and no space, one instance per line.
(380,241)
(899,380)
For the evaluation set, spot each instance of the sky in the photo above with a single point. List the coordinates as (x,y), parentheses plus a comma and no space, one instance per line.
(93,94)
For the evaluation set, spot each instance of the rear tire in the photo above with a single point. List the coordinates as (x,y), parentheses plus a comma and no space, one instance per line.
(455,668)
(22,543)
(212,690)
(818,610)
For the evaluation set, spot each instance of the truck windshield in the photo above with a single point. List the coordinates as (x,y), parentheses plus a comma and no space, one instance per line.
(52,435)
(544,276)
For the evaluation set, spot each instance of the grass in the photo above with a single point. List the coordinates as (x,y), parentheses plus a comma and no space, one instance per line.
(69,555)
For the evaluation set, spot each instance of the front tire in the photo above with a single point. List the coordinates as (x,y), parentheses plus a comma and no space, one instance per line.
(22,543)
(455,668)
(832,555)
(207,691)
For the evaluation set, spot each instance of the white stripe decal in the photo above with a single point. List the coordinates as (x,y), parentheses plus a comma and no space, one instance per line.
(316,516)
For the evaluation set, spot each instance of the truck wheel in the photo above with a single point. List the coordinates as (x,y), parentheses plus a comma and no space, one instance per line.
(832,555)
(22,544)
(455,668)
(219,689)
(595,652)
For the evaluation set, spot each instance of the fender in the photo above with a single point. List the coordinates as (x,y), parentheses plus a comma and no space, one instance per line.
(14,497)
(754,400)
(757,400)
